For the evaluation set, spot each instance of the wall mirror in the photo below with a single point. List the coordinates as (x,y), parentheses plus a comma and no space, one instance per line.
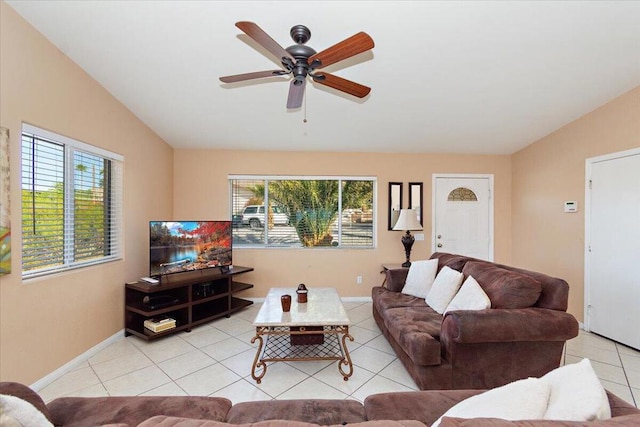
(395,202)
(415,199)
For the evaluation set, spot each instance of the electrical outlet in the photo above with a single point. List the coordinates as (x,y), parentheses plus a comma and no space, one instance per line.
(359,280)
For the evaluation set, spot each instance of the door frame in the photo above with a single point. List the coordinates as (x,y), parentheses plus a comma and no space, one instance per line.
(433,205)
(587,224)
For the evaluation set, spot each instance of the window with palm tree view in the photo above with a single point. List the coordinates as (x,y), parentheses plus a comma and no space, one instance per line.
(332,212)
(71,206)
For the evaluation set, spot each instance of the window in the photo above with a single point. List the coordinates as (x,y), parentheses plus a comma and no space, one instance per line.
(71,203)
(462,194)
(333,212)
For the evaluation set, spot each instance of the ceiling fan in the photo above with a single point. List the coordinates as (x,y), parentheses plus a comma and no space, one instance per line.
(301,61)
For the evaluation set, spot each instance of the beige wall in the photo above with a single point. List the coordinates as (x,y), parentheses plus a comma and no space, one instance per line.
(551,171)
(77,310)
(45,323)
(201,176)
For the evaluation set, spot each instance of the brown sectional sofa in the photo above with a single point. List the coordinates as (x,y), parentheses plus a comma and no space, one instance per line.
(522,334)
(399,409)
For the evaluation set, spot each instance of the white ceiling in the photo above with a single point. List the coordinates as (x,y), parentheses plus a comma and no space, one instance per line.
(446,76)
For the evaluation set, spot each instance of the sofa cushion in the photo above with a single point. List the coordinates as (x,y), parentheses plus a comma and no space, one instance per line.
(506,289)
(420,278)
(471,296)
(425,405)
(97,411)
(162,421)
(520,400)
(576,394)
(453,261)
(319,411)
(417,331)
(395,278)
(384,299)
(625,421)
(444,288)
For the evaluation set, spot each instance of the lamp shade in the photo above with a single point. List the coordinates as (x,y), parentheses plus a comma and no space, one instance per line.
(408,220)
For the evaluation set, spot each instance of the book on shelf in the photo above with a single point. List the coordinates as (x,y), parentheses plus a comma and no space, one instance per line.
(160,324)
(156,329)
(160,320)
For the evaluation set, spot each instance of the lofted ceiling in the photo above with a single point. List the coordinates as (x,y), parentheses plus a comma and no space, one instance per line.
(481,77)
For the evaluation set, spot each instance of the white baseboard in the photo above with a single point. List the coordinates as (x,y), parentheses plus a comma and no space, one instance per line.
(356,299)
(70,366)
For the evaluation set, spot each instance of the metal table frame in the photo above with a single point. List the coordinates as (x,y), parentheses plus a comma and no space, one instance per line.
(275,346)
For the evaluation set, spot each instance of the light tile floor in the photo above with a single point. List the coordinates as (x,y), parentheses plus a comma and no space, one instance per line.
(215,360)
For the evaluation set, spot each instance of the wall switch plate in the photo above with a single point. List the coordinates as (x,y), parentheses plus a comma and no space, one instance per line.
(419,236)
(571,206)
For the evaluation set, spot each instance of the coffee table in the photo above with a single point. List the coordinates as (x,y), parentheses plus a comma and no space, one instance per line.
(318,329)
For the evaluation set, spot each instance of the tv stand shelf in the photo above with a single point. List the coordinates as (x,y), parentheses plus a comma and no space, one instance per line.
(191,298)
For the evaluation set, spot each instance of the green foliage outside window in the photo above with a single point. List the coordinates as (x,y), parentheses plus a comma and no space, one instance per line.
(68,214)
(314,209)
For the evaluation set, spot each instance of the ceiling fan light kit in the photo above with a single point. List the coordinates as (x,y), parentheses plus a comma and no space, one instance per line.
(302,61)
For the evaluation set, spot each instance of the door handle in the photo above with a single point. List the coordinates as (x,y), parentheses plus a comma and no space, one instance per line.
(439,245)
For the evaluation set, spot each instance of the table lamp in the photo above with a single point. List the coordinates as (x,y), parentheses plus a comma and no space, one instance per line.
(408,220)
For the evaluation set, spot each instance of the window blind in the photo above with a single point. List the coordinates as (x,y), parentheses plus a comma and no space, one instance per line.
(71,204)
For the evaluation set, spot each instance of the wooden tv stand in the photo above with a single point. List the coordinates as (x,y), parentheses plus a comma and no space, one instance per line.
(191,298)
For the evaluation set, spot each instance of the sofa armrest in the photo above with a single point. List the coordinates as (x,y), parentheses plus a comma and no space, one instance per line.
(508,325)
(395,278)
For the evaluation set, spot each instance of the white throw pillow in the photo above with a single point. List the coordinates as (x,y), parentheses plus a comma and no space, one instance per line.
(576,394)
(444,288)
(15,409)
(471,296)
(420,277)
(520,400)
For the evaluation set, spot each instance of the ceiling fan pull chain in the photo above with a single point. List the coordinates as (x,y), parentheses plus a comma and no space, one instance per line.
(304,120)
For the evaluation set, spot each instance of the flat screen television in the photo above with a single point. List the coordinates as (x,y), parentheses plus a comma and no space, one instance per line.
(178,246)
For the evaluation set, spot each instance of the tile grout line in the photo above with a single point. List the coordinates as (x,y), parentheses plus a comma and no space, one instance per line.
(626,377)
(582,347)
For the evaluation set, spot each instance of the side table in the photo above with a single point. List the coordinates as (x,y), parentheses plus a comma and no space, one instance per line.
(391,266)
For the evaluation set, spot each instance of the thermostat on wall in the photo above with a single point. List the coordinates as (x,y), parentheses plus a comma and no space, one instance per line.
(571,206)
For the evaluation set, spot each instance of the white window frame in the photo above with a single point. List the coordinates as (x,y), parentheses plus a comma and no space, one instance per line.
(267,178)
(117,164)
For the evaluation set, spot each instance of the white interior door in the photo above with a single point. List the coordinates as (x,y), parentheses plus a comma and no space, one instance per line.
(612,261)
(463,215)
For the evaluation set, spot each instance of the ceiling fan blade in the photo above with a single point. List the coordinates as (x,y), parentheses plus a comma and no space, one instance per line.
(347,48)
(257,34)
(250,76)
(344,85)
(296,94)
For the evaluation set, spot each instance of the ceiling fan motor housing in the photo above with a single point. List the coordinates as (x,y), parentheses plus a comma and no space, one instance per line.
(300,34)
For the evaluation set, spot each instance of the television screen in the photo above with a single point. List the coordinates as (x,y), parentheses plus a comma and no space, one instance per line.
(177,246)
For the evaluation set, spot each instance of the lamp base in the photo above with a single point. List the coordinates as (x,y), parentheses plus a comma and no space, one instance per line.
(407,242)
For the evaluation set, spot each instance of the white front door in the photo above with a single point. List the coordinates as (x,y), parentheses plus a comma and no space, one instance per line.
(612,254)
(463,215)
